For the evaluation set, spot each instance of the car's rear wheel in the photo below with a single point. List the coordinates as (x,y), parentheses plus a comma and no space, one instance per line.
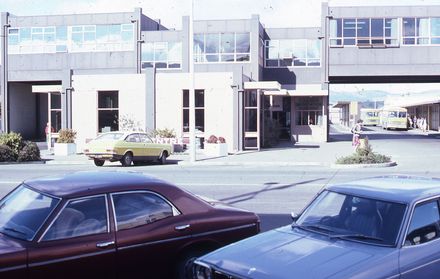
(184,268)
(163,158)
(98,163)
(127,159)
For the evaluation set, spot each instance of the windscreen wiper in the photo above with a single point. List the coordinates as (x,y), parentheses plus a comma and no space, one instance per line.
(313,227)
(14,230)
(357,236)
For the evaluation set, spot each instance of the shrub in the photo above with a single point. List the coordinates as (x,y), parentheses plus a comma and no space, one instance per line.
(66,136)
(30,152)
(7,154)
(13,140)
(221,140)
(212,139)
(163,133)
(364,155)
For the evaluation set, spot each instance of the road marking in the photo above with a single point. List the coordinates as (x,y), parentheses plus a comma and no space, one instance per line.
(250,184)
(11,182)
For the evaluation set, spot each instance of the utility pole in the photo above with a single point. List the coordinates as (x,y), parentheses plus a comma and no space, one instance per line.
(192,101)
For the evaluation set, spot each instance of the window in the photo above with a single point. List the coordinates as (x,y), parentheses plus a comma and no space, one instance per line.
(222,47)
(199,110)
(424,224)
(82,38)
(138,209)
(164,55)
(55,111)
(421,31)
(24,211)
(288,53)
(80,217)
(108,111)
(308,111)
(363,32)
(250,110)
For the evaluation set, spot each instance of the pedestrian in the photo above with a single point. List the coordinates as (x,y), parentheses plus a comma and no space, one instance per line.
(47,130)
(414,121)
(424,125)
(356,130)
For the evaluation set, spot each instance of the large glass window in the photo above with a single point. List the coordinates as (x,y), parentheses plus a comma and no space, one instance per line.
(82,38)
(363,31)
(108,111)
(139,209)
(222,47)
(250,110)
(308,111)
(288,53)
(199,110)
(81,217)
(55,111)
(164,55)
(421,31)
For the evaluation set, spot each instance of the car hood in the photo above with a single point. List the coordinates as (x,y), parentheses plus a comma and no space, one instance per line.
(283,252)
(9,245)
(12,254)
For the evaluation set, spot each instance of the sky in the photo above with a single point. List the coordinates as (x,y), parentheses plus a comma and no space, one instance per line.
(273,13)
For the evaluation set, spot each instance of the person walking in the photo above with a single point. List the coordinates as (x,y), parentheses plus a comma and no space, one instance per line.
(356,130)
(49,130)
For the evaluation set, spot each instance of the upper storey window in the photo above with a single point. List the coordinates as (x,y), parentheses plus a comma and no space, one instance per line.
(292,53)
(363,32)
(222,47)
(421,31)
(164,55)
(81,38)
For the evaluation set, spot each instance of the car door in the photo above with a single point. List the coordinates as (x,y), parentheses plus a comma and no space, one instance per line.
(152,149)
(78,242)
(420,255)
(133,142)
(150,232)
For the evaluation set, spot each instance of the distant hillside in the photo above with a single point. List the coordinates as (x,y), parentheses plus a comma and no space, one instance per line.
(363,96)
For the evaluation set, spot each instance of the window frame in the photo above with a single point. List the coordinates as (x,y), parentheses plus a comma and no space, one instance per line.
(168,62)
(184,108)
(98,109)
(175,210)
(416,36)
(306,42)
(411,216)
(67,202)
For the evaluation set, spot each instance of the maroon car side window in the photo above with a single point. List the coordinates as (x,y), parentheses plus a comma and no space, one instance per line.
(137,209)
(80,217)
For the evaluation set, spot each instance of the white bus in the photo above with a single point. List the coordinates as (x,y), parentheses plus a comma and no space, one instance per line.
(370,116)
(394,118)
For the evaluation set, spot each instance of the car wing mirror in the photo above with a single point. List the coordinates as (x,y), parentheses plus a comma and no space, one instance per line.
(294,216)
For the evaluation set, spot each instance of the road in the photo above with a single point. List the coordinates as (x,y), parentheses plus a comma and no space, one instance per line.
(273,192)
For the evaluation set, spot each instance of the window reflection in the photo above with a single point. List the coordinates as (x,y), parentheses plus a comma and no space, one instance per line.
(222,47)
(164,55)
(297,52)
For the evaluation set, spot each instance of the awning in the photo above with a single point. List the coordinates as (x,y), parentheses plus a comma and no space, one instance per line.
(264,85)
(46,88)
(421,103)
(274,88)
(341,104)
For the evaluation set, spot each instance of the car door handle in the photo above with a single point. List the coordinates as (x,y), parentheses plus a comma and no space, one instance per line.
(182,227)
(105,244)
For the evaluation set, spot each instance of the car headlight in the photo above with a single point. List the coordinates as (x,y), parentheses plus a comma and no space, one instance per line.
(202,271)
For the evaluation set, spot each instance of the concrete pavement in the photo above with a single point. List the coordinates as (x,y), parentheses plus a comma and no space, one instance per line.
(306,154)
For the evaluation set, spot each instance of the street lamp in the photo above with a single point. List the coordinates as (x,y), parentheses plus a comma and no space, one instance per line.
(192,102)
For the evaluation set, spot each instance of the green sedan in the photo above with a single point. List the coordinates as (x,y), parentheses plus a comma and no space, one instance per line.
(126,147)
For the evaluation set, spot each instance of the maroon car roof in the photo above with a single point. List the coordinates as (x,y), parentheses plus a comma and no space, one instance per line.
(95,182)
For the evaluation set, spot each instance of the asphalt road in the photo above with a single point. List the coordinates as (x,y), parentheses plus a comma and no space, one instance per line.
(272,192)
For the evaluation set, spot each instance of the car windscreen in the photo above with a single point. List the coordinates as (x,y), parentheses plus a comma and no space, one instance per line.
(110,136)
(24,211)
(354,218)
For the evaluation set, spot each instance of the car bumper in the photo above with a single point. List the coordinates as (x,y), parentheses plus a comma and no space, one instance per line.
(104,156)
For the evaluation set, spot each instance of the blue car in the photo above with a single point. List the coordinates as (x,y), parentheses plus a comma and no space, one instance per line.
(382,227)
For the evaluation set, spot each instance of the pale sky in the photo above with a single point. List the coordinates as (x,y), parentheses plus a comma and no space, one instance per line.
(273,13)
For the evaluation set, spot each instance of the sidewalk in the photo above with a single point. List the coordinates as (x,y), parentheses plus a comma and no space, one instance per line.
(300,154)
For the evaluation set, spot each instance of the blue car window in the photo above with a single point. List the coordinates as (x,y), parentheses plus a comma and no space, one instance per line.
(80,217)
(424,225)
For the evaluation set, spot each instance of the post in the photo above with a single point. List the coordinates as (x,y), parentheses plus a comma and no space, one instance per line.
(192,112)
(4,117)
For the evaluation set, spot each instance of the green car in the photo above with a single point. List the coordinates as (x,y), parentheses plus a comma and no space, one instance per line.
(126,147)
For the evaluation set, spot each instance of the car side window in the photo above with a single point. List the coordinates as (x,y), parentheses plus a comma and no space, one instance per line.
(80,217)
(137,209)
(133,138)
(144,138)
(424,225)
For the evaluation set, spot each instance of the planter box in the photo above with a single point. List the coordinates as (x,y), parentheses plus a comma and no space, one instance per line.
(216,149)
(63,149)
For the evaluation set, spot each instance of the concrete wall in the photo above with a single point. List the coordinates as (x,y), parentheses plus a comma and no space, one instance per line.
(132,101)
(394,61)
(219,96)
(22,110)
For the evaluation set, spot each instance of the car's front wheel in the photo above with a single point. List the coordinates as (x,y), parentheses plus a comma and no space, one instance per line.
(127,159)
(98,163)
(184,269)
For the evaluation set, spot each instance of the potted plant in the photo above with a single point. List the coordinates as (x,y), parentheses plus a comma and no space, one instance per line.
(65,144)
(216,146)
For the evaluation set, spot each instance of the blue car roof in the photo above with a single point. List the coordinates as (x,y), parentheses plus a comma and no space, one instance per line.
(396,188)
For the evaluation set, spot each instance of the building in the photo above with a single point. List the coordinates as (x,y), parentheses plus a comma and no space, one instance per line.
(95,72)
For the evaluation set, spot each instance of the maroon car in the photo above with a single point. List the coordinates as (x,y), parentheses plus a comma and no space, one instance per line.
(111,225)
